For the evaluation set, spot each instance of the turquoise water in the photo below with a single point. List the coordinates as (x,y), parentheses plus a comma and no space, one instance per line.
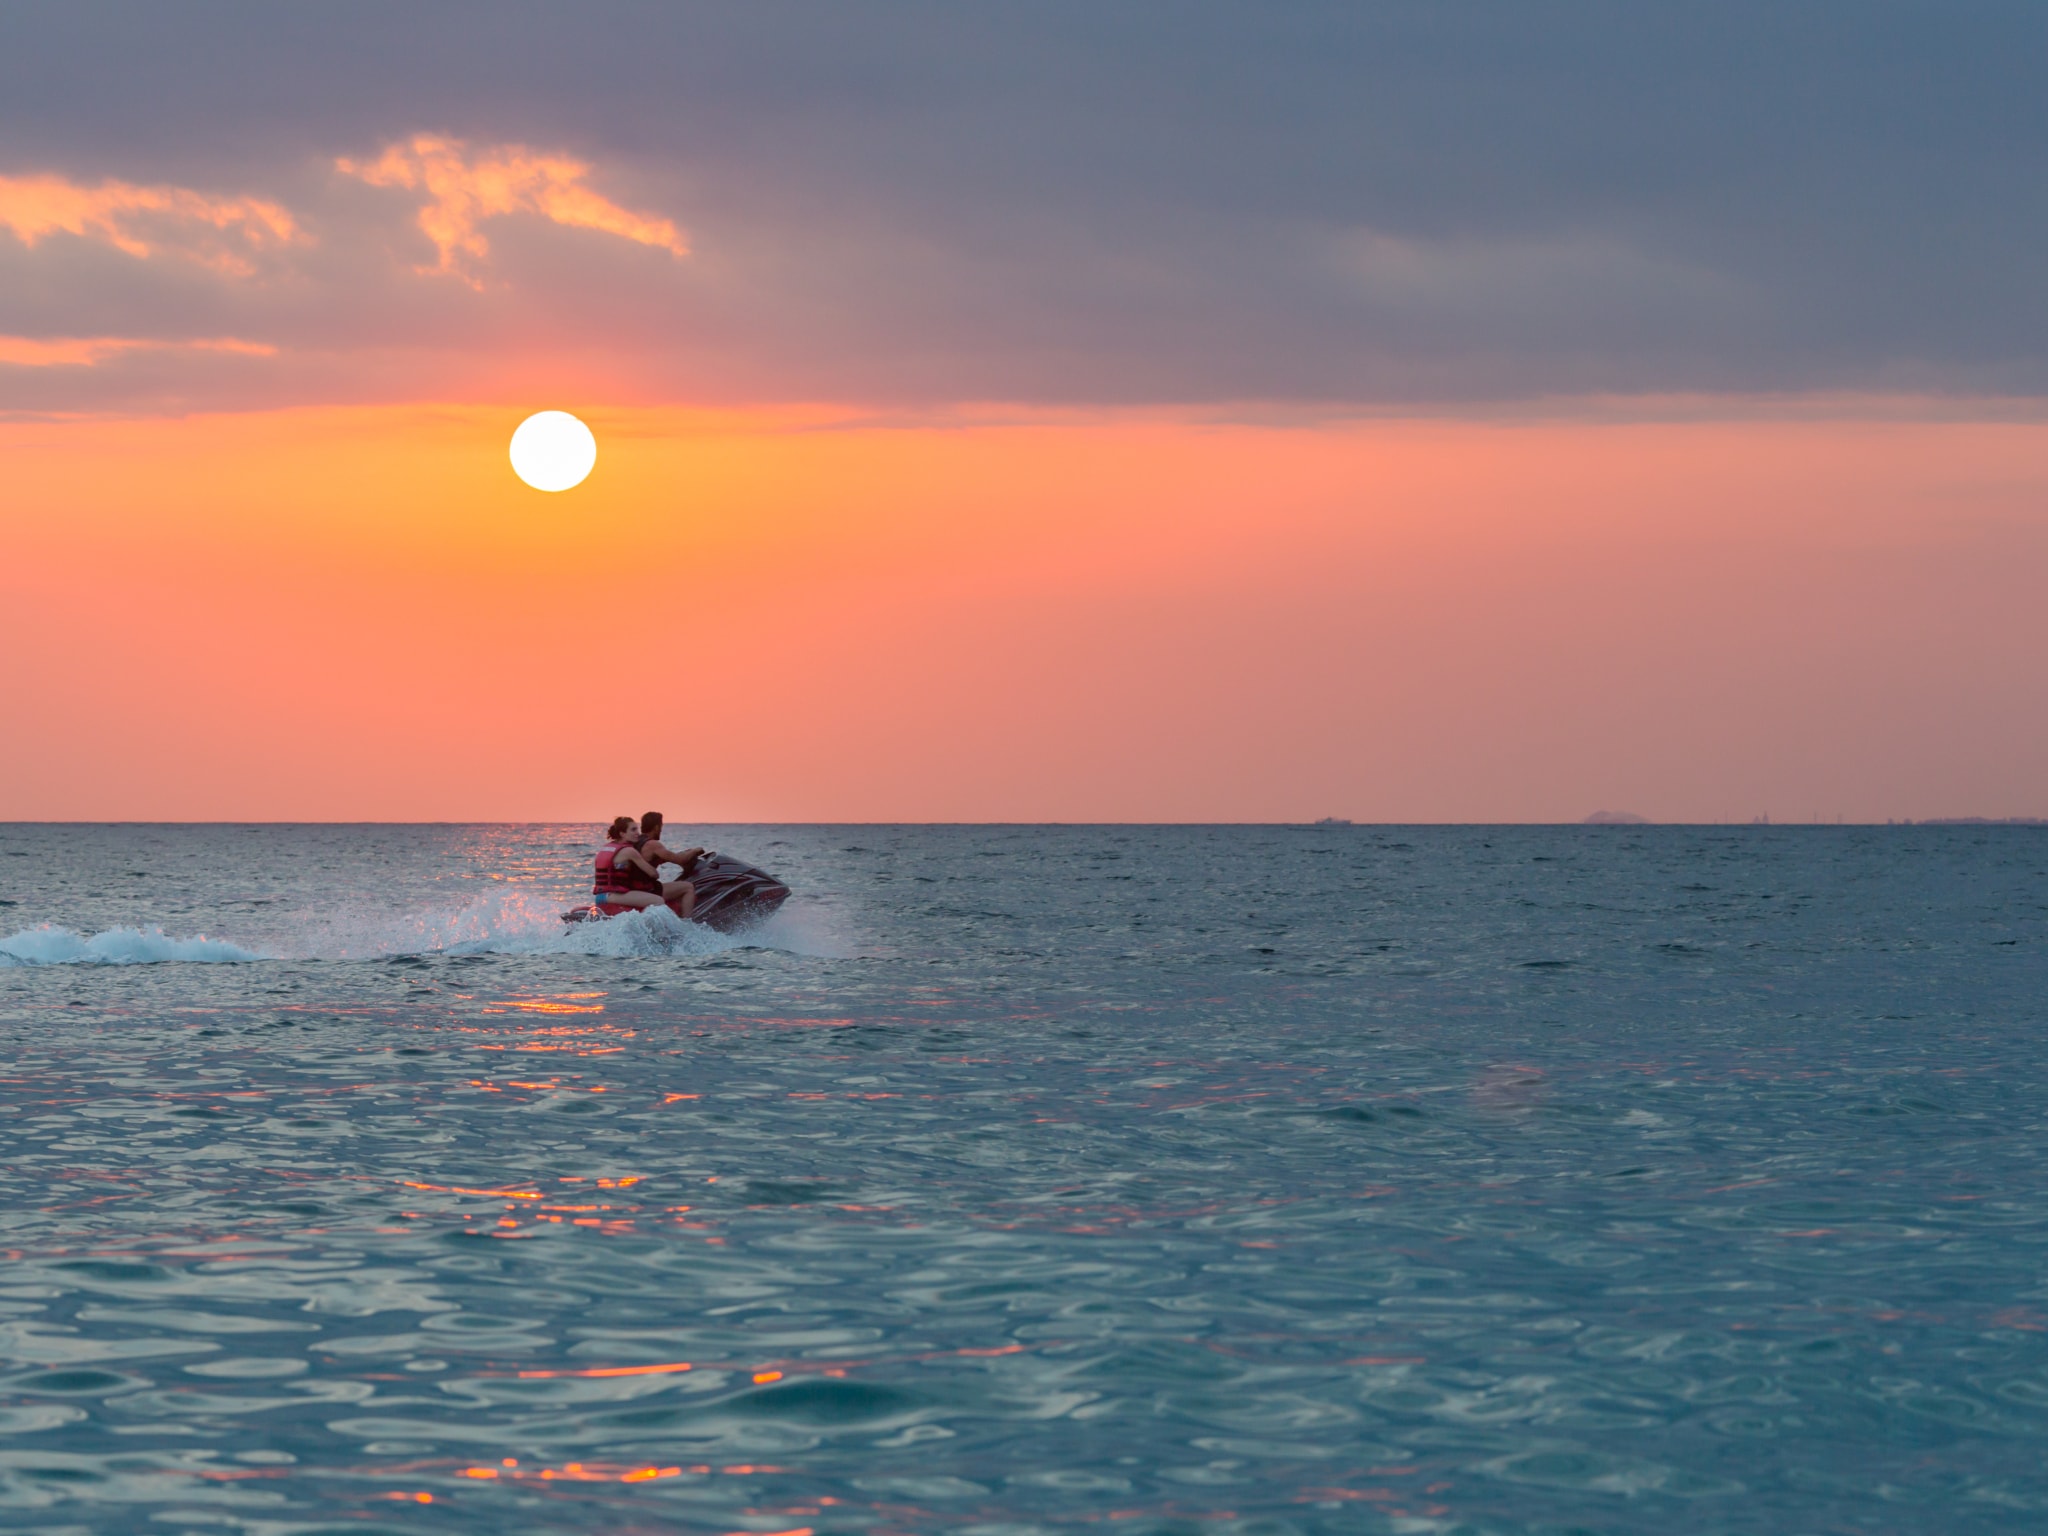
(1014,1180)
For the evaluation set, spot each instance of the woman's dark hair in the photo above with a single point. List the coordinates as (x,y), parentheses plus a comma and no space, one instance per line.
(618,828)
(651,824)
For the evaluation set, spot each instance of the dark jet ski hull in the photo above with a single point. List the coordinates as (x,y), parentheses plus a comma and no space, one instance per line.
(730,895)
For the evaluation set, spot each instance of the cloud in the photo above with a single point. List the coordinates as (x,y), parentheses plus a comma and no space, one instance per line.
(468,186)
(90,351)
(1396,205)
(223,233)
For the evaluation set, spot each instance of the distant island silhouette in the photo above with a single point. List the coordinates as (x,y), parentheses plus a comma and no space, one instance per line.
(1979,821)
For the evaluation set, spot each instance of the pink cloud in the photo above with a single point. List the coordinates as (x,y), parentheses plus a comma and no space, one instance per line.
(89,351)
(466,186)
(223,233)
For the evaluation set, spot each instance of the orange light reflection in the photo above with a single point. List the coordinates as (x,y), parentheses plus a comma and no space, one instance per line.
(606,1472)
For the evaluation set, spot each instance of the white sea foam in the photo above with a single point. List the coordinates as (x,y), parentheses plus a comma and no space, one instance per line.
(656,931)
(49,945)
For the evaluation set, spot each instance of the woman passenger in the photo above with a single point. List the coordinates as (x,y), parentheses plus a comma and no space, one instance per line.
(623,879)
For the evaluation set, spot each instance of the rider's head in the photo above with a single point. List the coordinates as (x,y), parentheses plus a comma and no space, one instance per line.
(651,823)
(620,826)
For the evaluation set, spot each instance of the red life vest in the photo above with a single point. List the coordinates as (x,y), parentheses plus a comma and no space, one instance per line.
(611,877)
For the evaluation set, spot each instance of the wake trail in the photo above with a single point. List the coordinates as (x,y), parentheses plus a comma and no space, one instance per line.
(499,923)
(52,945)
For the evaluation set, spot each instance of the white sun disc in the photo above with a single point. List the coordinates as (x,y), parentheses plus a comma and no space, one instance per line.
(553,451)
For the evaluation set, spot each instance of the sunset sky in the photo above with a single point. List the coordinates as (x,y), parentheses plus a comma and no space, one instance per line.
(1025,411)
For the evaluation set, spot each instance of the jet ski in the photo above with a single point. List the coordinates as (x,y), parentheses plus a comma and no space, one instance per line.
(730,895)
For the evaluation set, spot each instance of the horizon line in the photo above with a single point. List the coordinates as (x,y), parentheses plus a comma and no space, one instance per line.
(1333,823)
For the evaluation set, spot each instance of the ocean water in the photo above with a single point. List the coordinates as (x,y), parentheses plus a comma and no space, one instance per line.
(1015,1180)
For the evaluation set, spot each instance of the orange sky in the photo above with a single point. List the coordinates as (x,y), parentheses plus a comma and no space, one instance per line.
(360,614)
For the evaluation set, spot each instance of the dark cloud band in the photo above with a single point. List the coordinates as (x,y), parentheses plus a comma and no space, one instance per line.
(914,203)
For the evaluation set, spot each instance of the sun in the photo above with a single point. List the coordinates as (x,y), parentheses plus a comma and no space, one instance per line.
(553,451)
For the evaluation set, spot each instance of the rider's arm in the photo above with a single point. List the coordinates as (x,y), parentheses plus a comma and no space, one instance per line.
(667,855)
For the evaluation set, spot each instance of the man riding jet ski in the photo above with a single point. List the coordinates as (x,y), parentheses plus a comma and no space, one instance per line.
(717,891)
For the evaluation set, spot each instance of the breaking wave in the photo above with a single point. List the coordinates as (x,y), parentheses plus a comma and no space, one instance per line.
(49,945)
(509,923)
(522,922)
